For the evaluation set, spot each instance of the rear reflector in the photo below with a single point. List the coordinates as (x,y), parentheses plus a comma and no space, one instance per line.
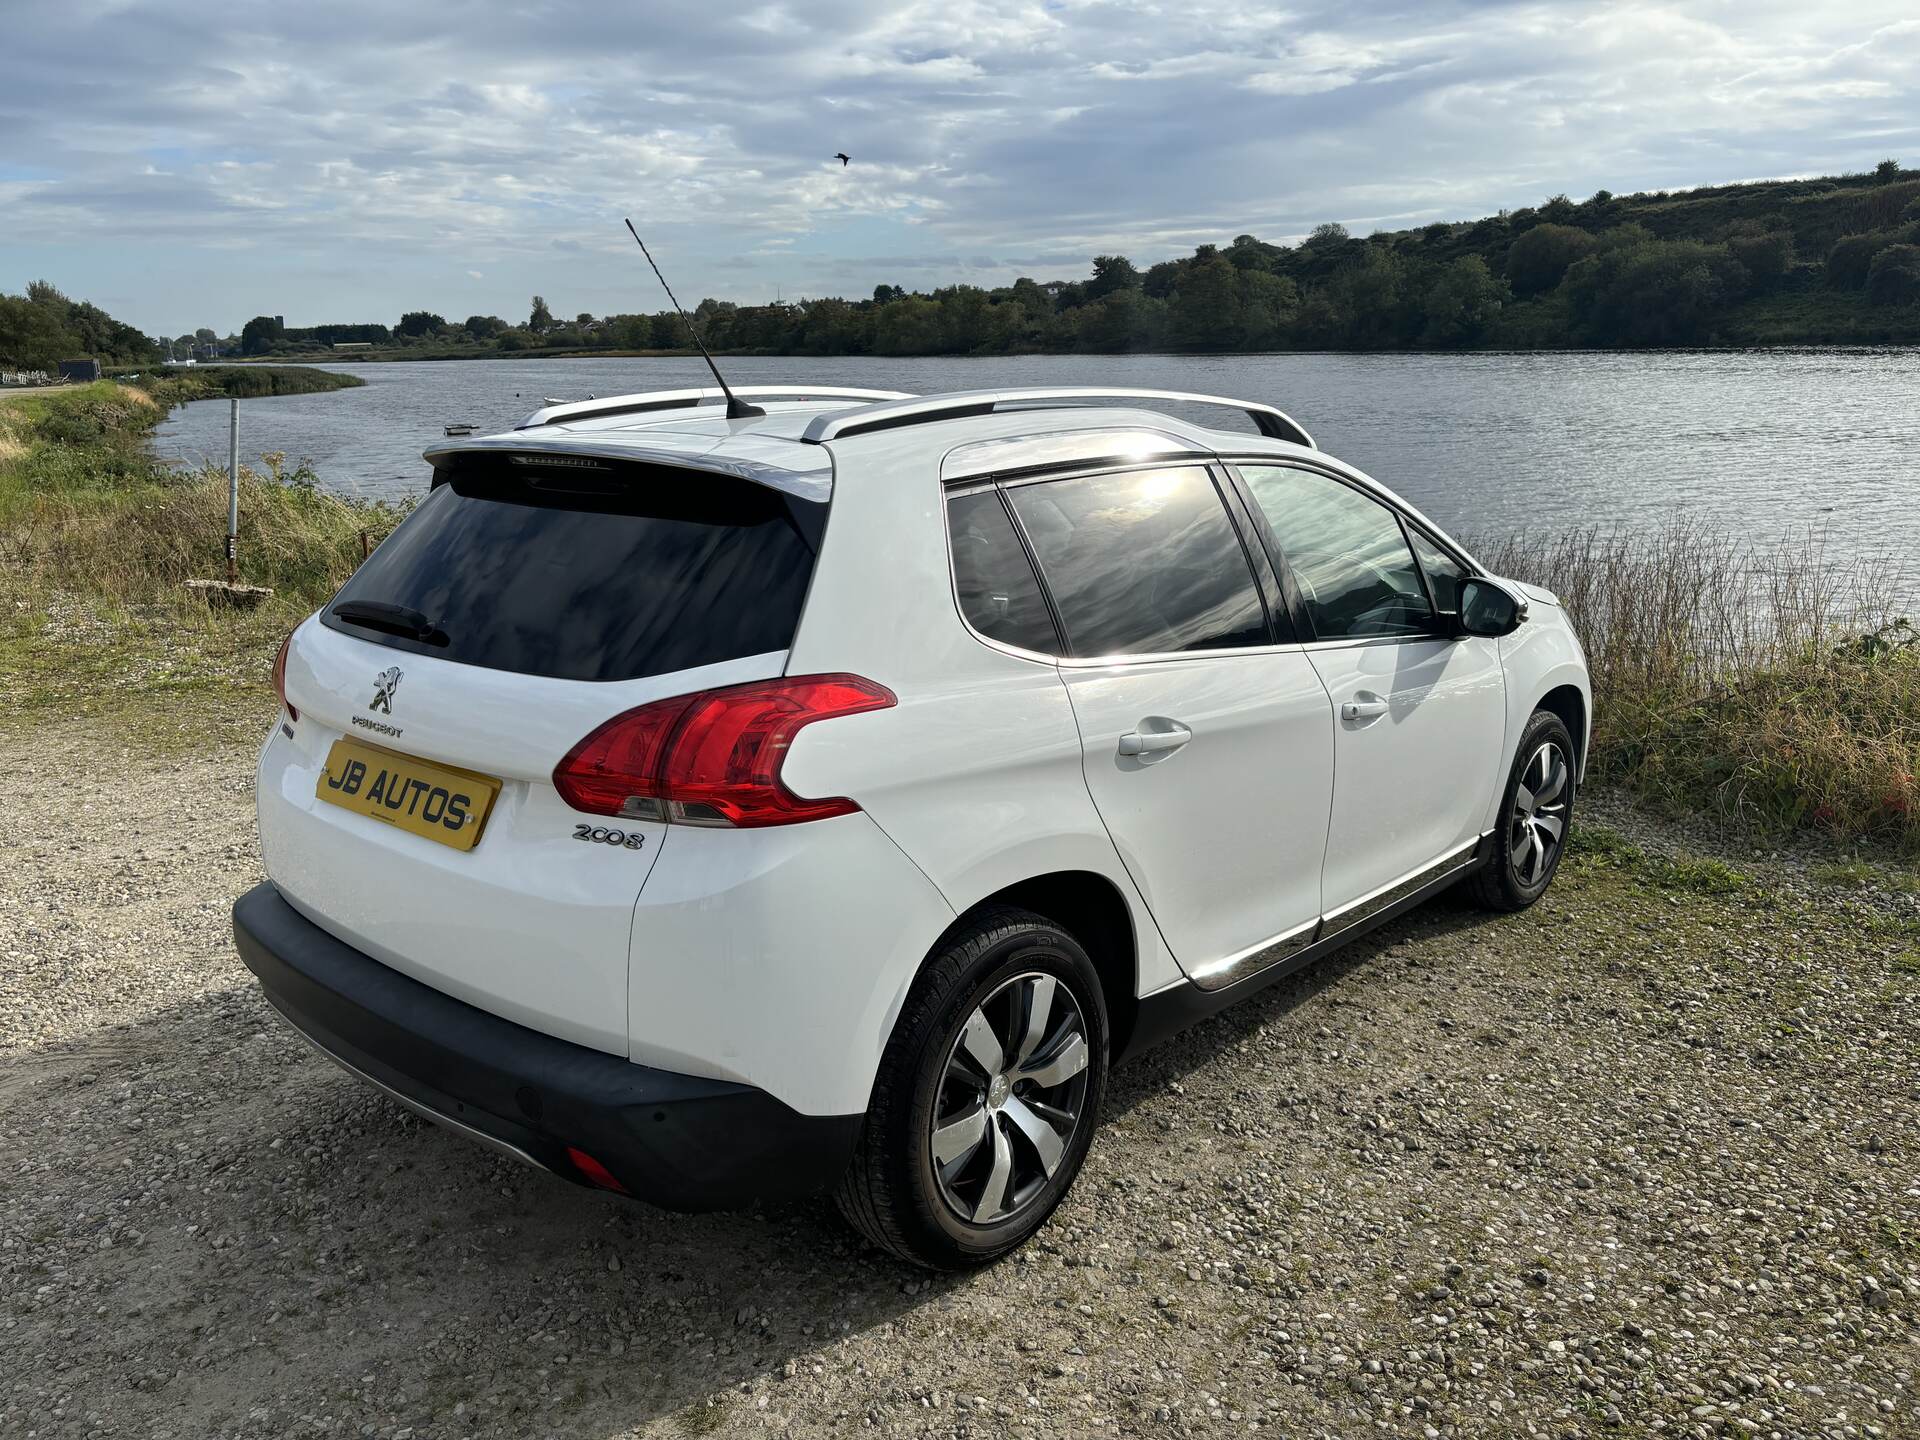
(712,758)
(593,1172)
(280,676)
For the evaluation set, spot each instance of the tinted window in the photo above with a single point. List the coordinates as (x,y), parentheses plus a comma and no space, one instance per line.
(1144,562)
(1346,553)
(998,592)
(1444,573)
(606,575)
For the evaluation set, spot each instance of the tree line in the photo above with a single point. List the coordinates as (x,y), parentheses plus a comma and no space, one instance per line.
(1809,261)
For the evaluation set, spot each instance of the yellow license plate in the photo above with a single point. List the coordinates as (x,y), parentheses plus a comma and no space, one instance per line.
(417,796)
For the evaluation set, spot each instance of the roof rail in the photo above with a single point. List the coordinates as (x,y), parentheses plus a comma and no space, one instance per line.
(639,404)
(922,410)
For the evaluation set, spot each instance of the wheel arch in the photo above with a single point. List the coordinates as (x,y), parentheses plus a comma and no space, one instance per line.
(1090,907)
(1569,702)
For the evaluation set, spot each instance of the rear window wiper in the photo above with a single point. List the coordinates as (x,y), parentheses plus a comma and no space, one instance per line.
(401,620)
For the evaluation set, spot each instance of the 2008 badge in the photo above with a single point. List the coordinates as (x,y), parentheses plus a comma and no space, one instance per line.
(630,839)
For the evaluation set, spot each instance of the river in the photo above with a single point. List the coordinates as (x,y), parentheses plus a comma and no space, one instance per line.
(1769,443)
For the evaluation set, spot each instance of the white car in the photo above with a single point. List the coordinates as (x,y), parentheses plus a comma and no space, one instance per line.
(712,808)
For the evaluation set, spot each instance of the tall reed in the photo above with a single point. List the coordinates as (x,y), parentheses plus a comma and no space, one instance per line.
(1767,688)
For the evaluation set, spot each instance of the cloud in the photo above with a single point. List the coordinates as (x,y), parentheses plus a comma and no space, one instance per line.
(323,161)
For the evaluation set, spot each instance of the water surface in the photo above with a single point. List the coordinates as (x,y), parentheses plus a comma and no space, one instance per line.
(1765,443)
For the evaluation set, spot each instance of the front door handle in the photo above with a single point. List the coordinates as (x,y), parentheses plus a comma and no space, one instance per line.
(1155,742)
(1365,705)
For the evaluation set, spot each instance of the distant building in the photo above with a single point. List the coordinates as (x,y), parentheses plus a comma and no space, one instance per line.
(88,369)
(352,345)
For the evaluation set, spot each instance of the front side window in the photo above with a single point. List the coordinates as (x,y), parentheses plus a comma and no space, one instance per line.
(999,594)
(1347,554)
(1142,562)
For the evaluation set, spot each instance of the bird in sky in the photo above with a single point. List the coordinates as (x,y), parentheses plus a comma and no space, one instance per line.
(842,157)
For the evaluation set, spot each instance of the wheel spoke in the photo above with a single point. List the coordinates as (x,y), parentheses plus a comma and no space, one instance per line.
(1045,1140)
(993,1195)
(1554,825)
(1523,862)
(958,1139)
(1039,1010)
(1523,801)
(1067,1061)
(983,1045)
(1556,782)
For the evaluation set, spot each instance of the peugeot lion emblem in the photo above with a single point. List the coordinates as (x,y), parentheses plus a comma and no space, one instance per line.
(385,683)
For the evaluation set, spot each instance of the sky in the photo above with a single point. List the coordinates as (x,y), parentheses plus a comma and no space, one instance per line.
(186,164)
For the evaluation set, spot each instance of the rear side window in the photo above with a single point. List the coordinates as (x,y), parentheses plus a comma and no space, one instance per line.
(1142,562)
(608,575)
(1347,554)
(999,594)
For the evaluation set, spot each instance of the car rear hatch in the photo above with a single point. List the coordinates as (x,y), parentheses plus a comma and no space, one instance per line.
(407,802)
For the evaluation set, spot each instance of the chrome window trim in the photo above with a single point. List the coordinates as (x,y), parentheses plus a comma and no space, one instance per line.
(1367,485)
(973,485)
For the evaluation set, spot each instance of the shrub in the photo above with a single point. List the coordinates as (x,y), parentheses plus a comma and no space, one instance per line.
(1767,256)
(1894,276)
(1852,257)
(1539,258)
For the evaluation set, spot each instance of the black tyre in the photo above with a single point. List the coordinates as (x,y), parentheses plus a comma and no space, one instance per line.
(1536,811)
(987,1095)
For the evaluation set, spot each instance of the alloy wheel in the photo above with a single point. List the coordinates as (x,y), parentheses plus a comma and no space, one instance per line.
(1011,1099)
(1538,824)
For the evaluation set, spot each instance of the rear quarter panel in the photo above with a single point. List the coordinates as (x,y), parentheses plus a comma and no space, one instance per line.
(976,774)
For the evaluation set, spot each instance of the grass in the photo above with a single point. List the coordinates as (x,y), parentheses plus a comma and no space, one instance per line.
(1774,691)
(97,539)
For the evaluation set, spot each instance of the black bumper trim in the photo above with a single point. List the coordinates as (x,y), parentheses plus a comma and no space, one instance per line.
(681,1141)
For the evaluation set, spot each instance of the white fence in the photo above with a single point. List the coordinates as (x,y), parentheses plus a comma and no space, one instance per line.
(25,377)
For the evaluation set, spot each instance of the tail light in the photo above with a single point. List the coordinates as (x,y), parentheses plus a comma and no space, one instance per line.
(712,758)
(280,676)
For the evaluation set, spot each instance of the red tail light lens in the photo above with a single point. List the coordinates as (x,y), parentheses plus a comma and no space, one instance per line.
(712,757)
(280,676)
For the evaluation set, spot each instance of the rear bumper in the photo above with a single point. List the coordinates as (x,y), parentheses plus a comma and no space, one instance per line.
(680,1141)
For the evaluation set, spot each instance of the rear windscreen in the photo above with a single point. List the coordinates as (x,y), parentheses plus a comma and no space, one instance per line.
(578,575)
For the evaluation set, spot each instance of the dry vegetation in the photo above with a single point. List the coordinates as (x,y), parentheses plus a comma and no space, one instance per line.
(97,539)
(1766,690)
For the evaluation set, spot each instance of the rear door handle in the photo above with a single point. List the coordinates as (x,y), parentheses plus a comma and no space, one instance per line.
(1154,742)
(1365,705)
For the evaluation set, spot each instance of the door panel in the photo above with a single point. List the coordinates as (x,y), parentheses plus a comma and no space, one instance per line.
(1419,720)
(1224,832)
(1418,732)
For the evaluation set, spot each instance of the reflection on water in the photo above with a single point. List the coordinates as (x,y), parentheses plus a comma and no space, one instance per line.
(1763,442)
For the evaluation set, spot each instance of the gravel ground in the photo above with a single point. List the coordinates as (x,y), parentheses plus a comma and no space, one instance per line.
(1640,1161)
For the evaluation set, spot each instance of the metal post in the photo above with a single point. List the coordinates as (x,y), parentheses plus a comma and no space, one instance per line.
(233,491)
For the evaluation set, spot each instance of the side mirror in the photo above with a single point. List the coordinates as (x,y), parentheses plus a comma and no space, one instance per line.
(1488,608)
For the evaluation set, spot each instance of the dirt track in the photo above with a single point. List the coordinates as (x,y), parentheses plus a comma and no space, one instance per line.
(1640,1161)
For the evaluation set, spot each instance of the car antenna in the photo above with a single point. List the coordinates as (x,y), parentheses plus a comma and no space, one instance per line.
(737,409)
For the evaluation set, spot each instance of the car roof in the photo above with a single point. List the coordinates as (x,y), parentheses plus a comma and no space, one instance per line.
(790,445)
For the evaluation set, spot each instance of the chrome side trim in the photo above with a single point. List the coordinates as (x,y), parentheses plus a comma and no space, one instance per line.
(1372,903)
(1251,961)
(492,1142)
